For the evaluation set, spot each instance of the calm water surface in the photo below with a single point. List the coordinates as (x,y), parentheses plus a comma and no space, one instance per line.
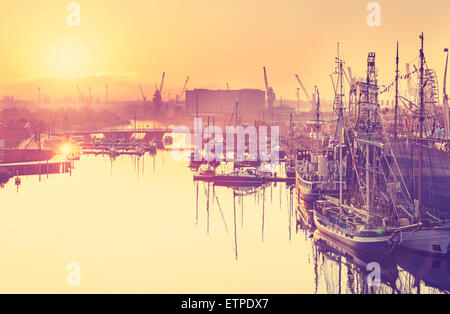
(143,225)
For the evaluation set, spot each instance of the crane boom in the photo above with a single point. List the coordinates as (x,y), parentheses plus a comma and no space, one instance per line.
(142,93)
(184,88)
(82,96)
(162,83)
(265,78)
(303,87)
(269,92)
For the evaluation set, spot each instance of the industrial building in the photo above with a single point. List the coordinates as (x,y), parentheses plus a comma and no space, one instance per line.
(222,102)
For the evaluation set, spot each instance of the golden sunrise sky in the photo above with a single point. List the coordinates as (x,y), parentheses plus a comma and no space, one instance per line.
(126,43)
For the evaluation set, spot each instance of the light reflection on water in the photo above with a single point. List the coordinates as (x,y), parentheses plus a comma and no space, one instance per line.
(142,225)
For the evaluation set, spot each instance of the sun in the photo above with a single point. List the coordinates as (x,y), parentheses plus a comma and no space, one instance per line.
(67,57)
(67,61)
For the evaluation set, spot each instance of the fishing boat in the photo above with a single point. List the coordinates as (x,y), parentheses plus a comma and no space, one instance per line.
(427,234)
(422,87)
(316,174)
(363,221)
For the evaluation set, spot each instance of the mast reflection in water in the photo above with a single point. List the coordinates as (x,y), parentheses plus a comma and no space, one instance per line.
(140,224)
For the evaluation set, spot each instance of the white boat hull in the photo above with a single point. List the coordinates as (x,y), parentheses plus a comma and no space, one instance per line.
(427,241)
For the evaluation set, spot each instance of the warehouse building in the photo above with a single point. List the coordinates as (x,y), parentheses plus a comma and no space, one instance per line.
(222,102)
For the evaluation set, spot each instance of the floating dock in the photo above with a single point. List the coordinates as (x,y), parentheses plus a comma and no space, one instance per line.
(288,180)
(37,168)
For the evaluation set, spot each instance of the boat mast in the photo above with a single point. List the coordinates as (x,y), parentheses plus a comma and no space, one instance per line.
(421,118)
(317,123)
(445,102)
(367,178)
(341,71)
(396,95)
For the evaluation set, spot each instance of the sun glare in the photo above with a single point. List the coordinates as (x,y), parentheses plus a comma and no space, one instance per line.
(67,58)
(67,61)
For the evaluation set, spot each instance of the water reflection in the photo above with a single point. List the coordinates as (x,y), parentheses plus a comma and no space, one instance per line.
(136,228)
(337,268)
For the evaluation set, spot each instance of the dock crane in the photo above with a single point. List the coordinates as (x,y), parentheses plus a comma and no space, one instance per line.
(82,96)
(307,95)
(143,96)
(269,92)
(180,97)
(445,101)
(157,97)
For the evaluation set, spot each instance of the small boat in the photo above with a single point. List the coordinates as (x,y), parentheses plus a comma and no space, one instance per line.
(266,170)
(168,140)
(315,178)
(205,173)
(5,175)
(289,168)
(195,164)
(247,177)
(249,162)
(140,150)
(152,147)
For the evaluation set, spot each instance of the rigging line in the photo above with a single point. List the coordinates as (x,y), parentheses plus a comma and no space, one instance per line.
(224,221)
(406,106)
(235,228)
(394,158)
(433,198)
(354,161)
(348,81)
(403,72)
(390,192)
(232,114)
